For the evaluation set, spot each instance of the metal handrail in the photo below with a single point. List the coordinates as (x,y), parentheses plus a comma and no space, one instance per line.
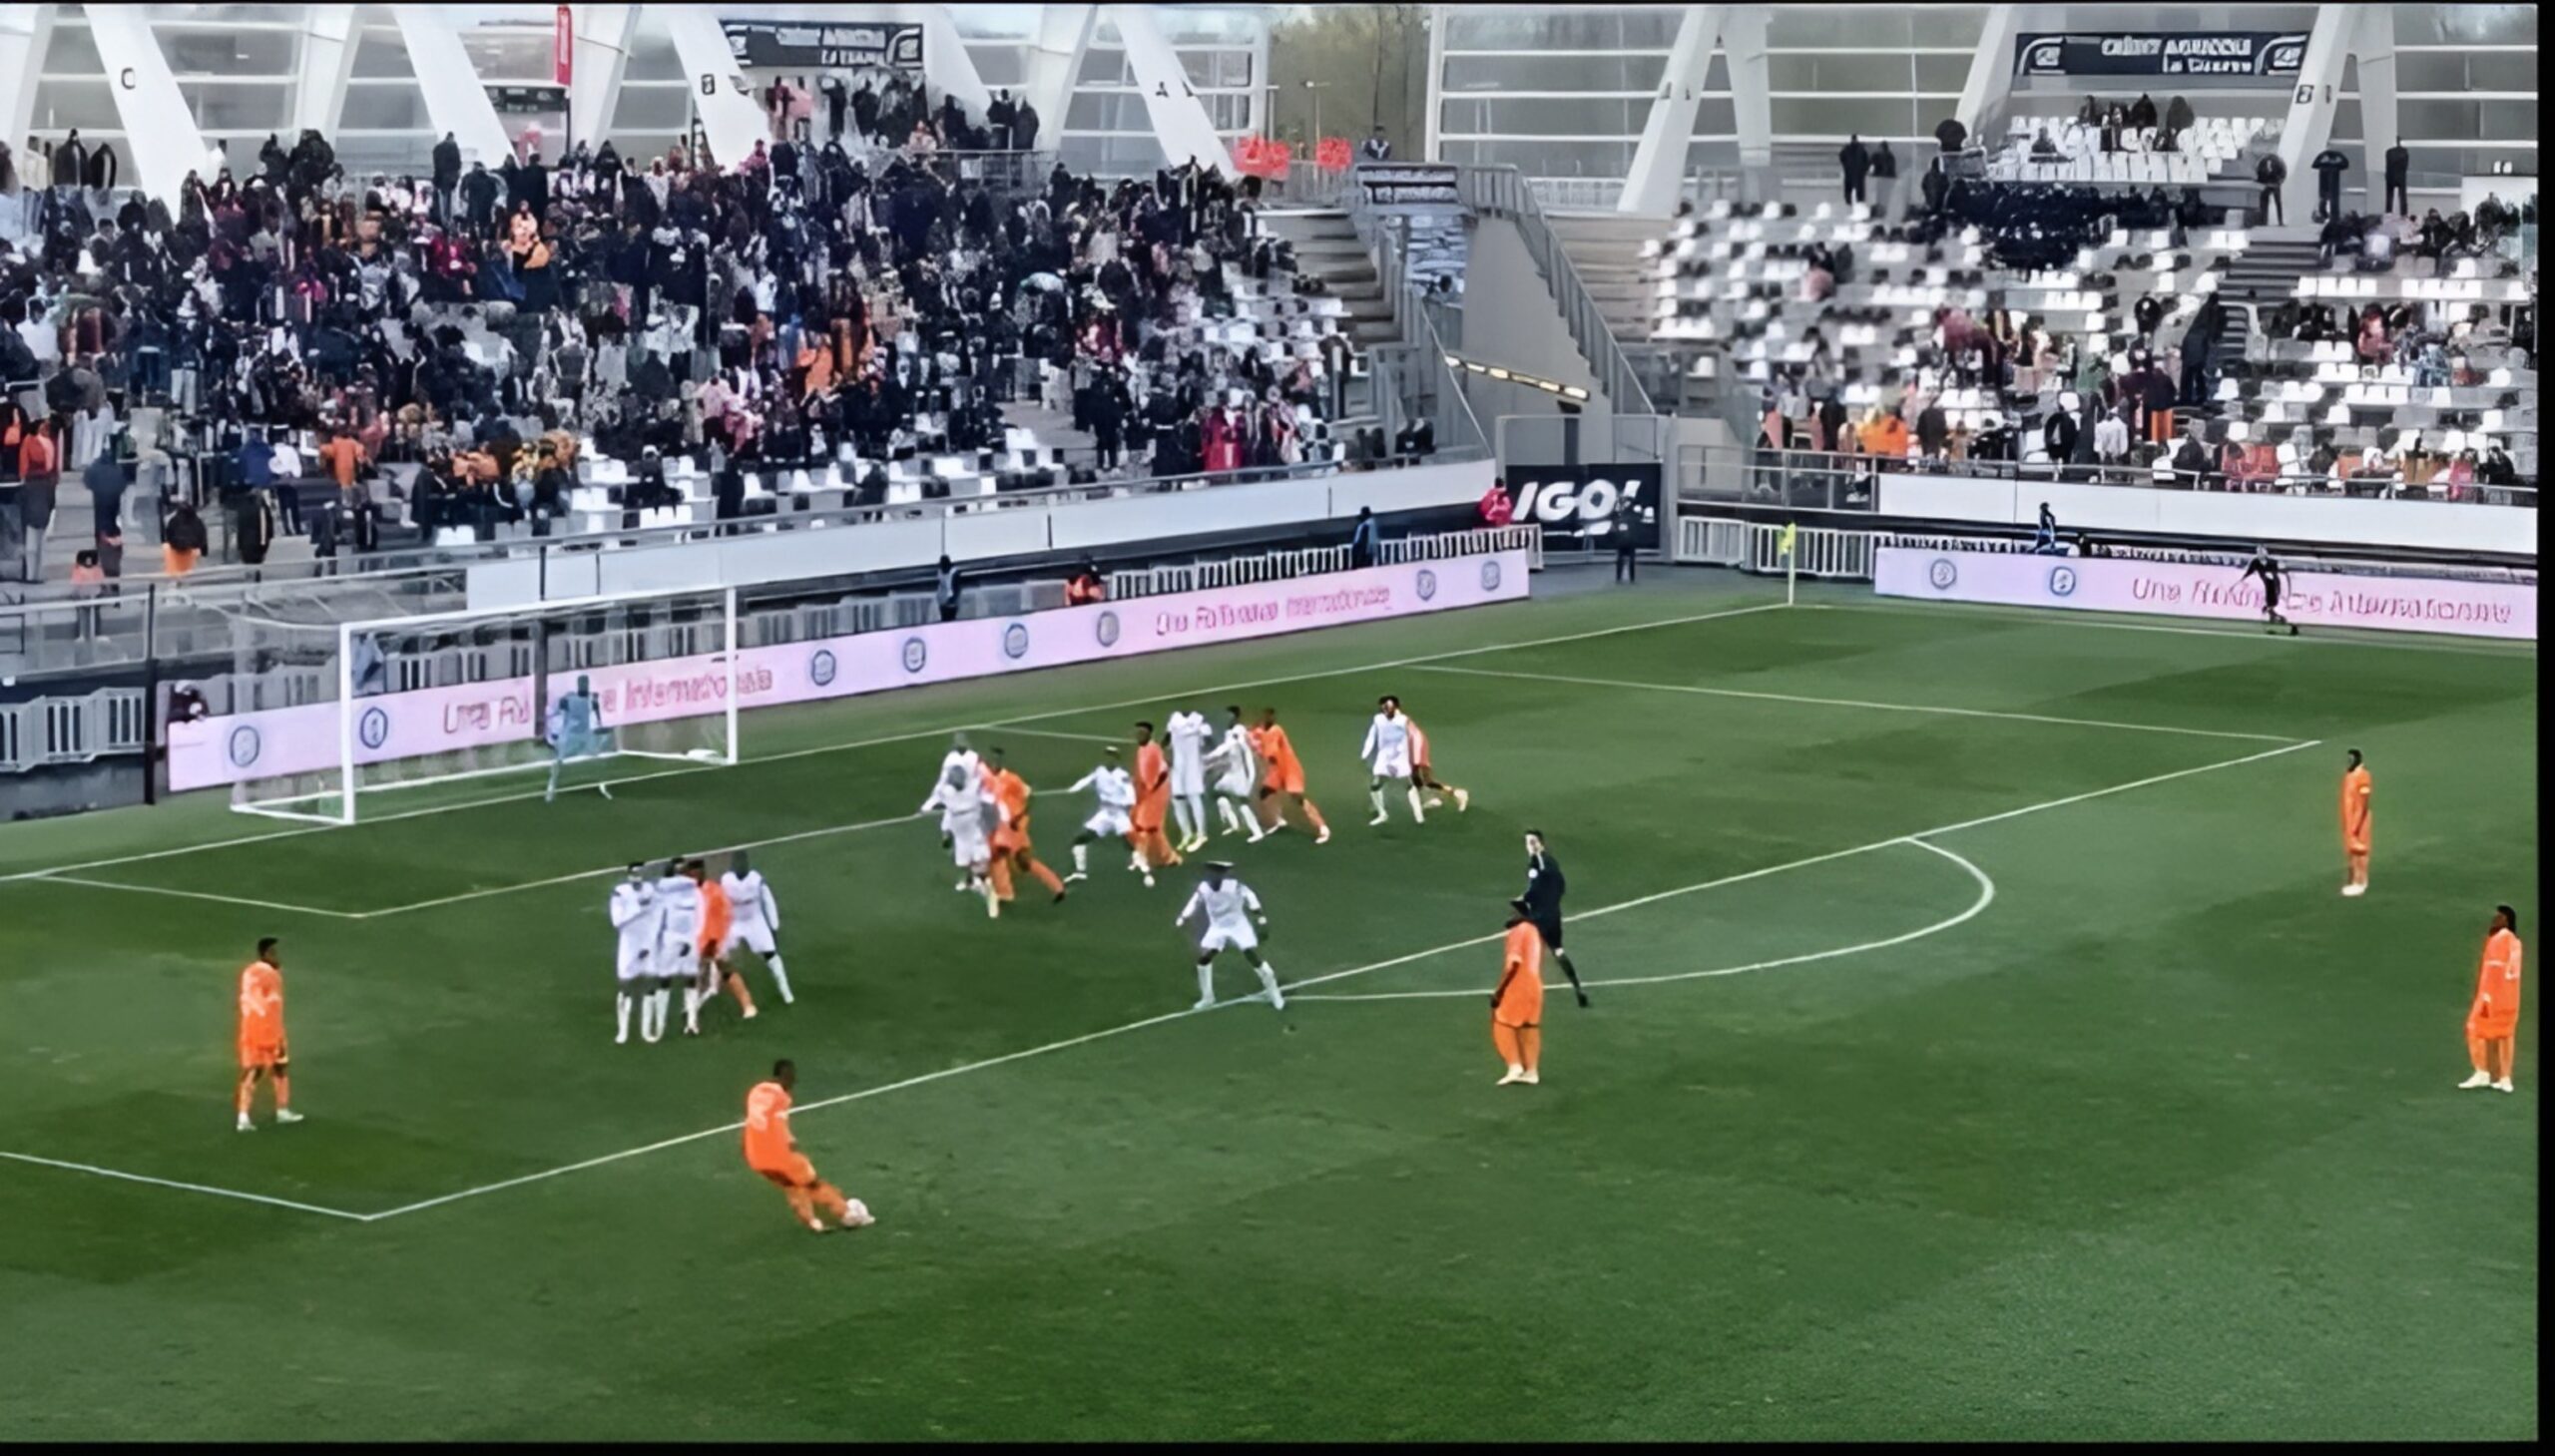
(1415,319)
(1504,192)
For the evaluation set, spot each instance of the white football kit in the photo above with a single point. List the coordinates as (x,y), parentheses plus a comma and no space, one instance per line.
(633,919)
(753,913)
(1237,768)
(1228,908)
(1114,792)
(1188,732)
(960,797)
(1387,751)
(677,926)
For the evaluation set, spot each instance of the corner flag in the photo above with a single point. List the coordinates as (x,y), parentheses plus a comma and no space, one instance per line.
(1788,538)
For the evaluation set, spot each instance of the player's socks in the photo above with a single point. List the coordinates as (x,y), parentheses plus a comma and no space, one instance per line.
(1375,796)
(692,1011)
(1082,860)
(1417,816)
(1269,978)
(1045,876)
(779,978)
(1206,987)
(246,1125)
(1321,831)
(1463,799)
(652,1016)
(2504,1086)
(830,1198)
(621,1012)
(1002,878)
(1180,816)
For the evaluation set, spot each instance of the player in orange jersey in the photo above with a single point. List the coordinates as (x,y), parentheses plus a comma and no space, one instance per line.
(261,1045)
(1153,802)
(1517,1007)
(1011,846)
(2355,816)
(1283,773)
(2492,1023)
(1423,773)
(772,1152)
(717,922)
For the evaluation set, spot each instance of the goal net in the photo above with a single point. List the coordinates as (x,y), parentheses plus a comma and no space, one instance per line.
(463,706)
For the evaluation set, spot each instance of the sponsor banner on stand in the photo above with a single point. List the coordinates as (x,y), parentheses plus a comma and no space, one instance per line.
(2167,589)
(783,45)
(303,739)
(2158,53)
(1579,502)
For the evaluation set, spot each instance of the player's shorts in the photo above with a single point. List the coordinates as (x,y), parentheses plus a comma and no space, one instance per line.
(637,965)
(261,1056)
(1236,785)
(1229,937)
(1392,764)
(753,935)
(1290,780)
(1521,1007)
(2271,596)
(1188,777)
(967,846)
(799,1173)
(676,960)
(1110,823)
(1549,927)
(2492,1028)
(582,745)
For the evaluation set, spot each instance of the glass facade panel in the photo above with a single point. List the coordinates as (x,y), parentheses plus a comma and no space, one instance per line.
(396,108)
(1555,73)
(2417,25)
(192,52)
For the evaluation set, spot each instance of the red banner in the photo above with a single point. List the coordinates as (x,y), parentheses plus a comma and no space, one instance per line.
(1333,154)
(563,47)
(1260,157)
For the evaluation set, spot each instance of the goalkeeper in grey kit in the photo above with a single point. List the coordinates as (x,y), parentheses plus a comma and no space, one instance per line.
(576,731)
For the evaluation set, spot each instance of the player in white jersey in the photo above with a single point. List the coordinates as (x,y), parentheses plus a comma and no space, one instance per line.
(964,810)
(1387,756)
(1229,908)
(1237,770)
(1113,793)
(754,919)
(959,759)
(1188,733)
(634,922)
(679,940)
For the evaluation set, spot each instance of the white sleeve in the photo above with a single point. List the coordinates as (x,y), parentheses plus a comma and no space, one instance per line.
(1249,900)
(1086,782)
(771,907)
(1194,896)
(1368,749)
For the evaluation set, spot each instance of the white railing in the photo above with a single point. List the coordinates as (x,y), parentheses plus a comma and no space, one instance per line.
(1305,561)
(1757,548)
(46,731)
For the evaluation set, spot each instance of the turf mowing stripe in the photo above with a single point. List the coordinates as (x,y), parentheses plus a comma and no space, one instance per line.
(2093,723)
(904,738)
(103,884)
(193,1188)
(1978,907)
(1401,960)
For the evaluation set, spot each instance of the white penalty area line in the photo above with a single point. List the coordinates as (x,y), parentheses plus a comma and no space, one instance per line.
(192,1188)
(108,884)
(2032,717)
(1011,725)
(1978,907)
(2412,642)
(1089,1037)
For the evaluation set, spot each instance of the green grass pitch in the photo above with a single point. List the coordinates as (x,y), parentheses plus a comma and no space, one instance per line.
(2005,1072)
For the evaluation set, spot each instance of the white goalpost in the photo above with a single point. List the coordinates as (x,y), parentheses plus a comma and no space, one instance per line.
(345,710)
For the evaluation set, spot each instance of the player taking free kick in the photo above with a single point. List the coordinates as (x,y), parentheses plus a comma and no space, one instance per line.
(2355,819)
(261,1044)
(772,1152)
(2492,1023)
